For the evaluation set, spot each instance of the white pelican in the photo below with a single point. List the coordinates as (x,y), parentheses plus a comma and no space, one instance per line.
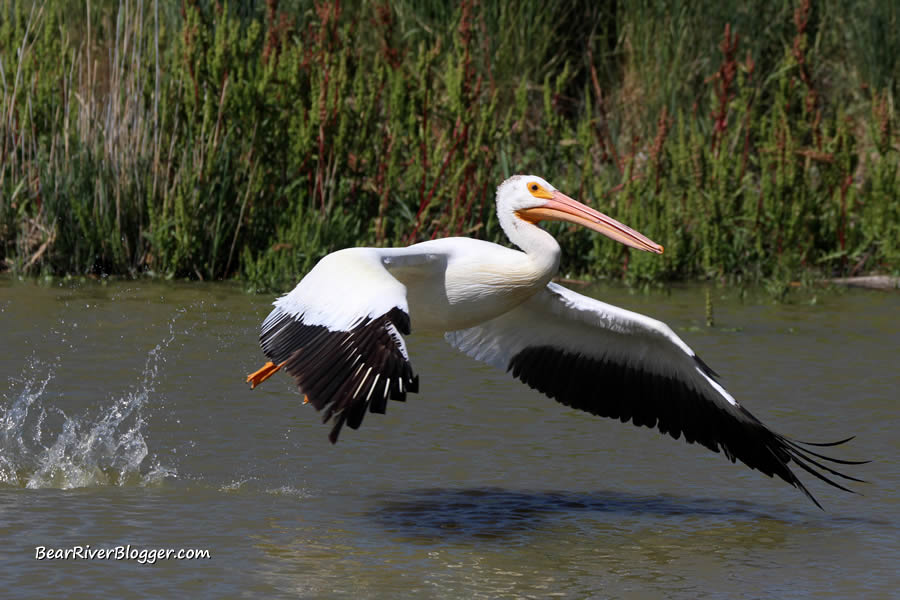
(339,334)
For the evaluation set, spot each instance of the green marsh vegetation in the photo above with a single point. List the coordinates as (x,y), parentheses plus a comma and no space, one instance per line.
(212,140)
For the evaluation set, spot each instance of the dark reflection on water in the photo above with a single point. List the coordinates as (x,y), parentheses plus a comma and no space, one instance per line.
(498,512)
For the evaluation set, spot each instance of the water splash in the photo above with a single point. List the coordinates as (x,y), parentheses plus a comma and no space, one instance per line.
(43,447)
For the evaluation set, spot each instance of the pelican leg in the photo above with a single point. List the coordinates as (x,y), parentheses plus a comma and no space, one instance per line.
(266,371)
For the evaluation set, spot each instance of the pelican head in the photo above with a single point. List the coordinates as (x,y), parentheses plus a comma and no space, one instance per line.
(529,199)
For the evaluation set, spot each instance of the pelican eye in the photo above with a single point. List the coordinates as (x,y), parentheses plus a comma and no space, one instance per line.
(535,189)
(538,191)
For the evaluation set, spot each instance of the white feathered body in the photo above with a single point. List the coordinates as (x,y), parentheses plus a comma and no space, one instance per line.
(444,285)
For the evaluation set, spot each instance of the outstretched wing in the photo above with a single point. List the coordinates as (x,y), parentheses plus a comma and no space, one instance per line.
(338,333)
(616,363)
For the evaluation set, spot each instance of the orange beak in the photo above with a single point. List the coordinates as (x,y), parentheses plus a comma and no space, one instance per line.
(560,207)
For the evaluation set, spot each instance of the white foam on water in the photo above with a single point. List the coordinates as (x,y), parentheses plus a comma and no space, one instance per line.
(43,447)
(287,490)
(236,484)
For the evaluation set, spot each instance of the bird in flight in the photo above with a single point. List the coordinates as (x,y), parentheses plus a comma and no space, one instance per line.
(340,331)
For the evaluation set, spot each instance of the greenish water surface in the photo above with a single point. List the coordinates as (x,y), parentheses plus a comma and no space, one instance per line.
(125,420)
